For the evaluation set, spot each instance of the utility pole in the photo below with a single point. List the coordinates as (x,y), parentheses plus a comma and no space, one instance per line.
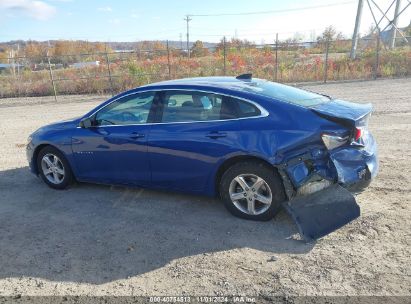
(181,41)
(394,24)
(188,19)
(356,29)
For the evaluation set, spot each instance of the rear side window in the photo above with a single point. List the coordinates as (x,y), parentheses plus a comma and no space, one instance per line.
(191,106)
(199,106)
(246,109)
(236,108)
(285,93)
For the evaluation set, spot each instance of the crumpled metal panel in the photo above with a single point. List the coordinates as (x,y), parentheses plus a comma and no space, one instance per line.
(322,212)
(351,162)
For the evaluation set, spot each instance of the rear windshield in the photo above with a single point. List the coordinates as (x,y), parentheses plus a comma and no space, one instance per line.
(285,93)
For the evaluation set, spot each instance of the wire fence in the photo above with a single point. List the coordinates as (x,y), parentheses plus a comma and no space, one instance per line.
(103,72)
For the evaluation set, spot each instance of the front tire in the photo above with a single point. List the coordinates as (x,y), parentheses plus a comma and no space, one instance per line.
(252,190)
(54,169)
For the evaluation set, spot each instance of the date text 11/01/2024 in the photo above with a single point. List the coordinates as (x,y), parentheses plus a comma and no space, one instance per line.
(202,299)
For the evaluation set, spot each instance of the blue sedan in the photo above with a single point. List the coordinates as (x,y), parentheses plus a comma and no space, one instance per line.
(254,143)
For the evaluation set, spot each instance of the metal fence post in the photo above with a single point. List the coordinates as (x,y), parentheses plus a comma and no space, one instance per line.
(52,77)
(224,56)
(109,72)
(168,61)
(377,58)
(18,78)
(276,57)
(327,46)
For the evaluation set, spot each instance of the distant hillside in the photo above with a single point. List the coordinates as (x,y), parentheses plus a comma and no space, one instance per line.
(115,45)
(138,44)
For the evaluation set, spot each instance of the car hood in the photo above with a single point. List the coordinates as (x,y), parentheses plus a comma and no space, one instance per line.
(340,109)
(66,124)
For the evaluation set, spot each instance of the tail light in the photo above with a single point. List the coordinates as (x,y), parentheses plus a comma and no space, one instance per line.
(333,141)
(358,132)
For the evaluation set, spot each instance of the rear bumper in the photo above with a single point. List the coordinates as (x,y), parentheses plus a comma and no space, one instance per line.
(371,171)
(356,167)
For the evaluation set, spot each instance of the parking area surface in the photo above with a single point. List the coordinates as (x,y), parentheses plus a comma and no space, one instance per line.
(102,240)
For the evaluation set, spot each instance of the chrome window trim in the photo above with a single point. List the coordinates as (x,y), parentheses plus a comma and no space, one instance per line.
(263,111)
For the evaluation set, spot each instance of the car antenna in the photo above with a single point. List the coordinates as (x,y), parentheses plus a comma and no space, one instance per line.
(247,76)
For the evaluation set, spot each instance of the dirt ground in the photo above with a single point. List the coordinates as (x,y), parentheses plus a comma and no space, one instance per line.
(101,240)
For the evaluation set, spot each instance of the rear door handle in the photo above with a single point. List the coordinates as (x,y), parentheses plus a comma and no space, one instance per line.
(216,134)
(136,135)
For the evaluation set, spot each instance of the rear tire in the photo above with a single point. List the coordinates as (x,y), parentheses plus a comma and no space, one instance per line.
(54,168)
(252,190)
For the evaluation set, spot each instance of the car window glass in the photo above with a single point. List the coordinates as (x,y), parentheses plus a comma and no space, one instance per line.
(237,108)
(191,106)
(285,93)
(246,109)
(133,109)
(198,106)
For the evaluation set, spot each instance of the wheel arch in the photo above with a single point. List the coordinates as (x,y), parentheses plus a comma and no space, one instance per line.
(41,147)
(234,160)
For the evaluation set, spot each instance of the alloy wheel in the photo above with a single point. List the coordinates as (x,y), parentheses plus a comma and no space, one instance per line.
(53,168)
(250,194)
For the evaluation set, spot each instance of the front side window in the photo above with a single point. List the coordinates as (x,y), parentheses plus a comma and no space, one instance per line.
(198,106)
(128,110)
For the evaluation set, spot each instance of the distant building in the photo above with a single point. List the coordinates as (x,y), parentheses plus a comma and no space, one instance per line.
(124,51)
(5,66)
(80,65)
(10,68)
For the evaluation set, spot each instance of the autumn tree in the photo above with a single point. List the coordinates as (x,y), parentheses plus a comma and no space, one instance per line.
(151,45)
(331,34)
(68,51)
(4,53)
(198,49)
(234,43)
(36,51)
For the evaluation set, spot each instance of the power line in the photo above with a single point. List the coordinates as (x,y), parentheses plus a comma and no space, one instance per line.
(271,12)
(270,31)
(188,19)
(80,37)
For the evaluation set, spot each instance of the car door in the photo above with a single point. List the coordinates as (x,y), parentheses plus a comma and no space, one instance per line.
(196,131)
(114,148)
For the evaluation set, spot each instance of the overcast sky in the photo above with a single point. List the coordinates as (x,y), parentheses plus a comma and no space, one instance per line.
(127,20)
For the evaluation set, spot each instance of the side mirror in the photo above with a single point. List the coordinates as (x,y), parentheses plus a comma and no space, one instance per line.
(86,123)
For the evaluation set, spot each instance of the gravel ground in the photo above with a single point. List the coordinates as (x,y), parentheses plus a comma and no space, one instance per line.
(101,240)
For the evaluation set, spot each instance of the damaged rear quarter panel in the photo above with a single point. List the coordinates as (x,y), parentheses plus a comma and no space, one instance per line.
(350,162)
(291,141)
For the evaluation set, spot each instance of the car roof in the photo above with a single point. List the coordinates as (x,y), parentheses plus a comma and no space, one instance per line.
(229,83)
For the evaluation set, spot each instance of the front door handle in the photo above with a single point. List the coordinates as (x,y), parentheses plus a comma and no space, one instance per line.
(216,134)
(136,135)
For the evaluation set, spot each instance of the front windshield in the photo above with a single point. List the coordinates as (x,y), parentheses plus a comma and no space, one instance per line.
(285,93)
